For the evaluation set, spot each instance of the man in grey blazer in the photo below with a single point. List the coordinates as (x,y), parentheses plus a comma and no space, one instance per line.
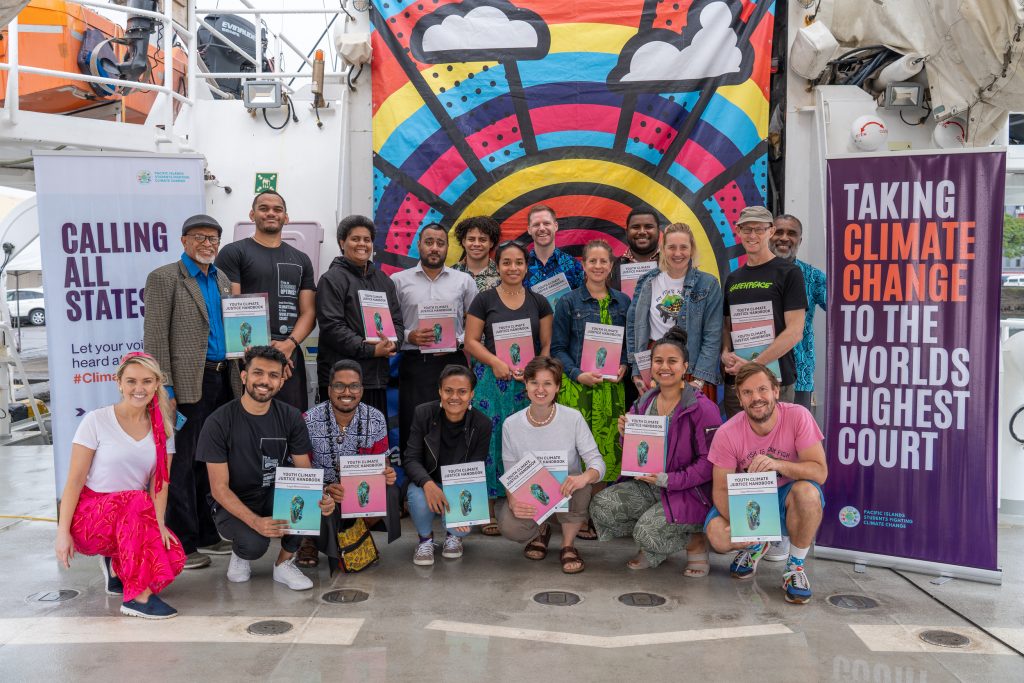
(184,331)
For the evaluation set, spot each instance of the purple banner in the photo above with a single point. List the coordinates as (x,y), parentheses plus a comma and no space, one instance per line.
(913,341)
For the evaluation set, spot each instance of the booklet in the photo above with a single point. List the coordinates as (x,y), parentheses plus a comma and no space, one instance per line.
(377,322)
(630,274)
(465,487)
(557,463)
(553,289)
(754,507)
(644,445)
(753,329)
(531,484)
(246,322)
(602,349)
(362,477)
(440,318)
(513,342)
(297,494)
(643,361)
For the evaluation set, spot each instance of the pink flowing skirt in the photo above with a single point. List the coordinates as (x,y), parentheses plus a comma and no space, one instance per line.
(123,527)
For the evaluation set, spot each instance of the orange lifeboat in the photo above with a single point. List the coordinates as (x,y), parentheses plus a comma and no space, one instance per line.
(50,36)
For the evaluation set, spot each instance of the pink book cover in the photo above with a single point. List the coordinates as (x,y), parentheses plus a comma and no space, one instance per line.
(643,445)
(602,350)
(531,483)
(439,318)
(643,361)
(377,323)
(365,496)
(513,342)
(630,274)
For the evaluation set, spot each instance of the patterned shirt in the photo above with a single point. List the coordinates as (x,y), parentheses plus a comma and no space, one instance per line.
(487,278)
(803,352)
(560,262)
(367,434)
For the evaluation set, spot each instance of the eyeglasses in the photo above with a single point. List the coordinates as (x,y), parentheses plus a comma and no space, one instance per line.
(212,239)
(353,388)
(511,243)
(754,230)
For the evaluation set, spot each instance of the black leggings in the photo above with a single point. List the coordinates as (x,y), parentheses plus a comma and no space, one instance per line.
(246,542)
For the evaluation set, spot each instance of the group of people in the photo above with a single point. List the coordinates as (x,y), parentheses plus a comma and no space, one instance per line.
(152,495)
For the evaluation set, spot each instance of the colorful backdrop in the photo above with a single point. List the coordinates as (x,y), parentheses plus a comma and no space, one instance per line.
(488,107)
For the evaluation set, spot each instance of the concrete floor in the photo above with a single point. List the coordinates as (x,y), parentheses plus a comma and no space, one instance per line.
(474,619)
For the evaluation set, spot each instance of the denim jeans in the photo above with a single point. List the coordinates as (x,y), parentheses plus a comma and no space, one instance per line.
(423,516)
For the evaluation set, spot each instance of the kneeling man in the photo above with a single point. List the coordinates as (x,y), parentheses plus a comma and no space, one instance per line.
(770,436)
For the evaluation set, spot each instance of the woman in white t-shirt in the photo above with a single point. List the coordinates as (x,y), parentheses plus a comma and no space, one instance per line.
(116,493)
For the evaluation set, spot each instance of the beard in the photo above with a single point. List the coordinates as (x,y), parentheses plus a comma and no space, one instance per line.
(652,246)
(791,256)
(204,260)
(251,391)
(760,419)
(432,261)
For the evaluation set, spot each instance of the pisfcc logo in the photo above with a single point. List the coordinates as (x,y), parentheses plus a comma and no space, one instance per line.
(849,516)
(144,177)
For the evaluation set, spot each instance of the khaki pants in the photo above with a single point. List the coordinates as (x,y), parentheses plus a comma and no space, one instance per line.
(525,530)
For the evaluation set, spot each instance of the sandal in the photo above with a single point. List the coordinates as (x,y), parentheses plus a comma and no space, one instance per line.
(570,556)
(587,533)
(307,555)
(537,549)
(697,565)
(490,529)
(639,561)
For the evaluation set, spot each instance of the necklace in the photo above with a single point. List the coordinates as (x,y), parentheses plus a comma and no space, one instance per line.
(514,292)
(541,423)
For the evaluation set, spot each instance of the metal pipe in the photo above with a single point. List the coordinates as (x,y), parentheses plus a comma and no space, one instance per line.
(250,10)
(13,96)
(159,16)
(289,43)
(259,43)
(266,75)
(95,79)
(168,48)
(193,61)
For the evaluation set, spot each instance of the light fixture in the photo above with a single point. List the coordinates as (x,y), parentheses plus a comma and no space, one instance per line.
(903,94)
(261,94)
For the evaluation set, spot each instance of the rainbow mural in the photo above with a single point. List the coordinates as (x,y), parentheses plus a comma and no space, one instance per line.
(488,107)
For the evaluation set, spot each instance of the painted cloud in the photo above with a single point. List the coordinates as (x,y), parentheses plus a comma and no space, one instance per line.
(480,30)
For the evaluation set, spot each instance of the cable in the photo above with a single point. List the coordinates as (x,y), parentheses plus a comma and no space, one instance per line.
(957,612)
(1013,420)
(288,119)
(923,119)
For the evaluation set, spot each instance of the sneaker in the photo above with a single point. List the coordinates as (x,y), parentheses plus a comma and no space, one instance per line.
(778,551)
(113,583)
(221,547)
(239,570)
(291,576)
(797,585)
(452,547)
(196,560)
(154,608)
(424,555)
(745,563)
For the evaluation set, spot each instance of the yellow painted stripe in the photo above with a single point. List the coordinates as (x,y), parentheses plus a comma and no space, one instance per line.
(747,97)
(584,37)
(402,104)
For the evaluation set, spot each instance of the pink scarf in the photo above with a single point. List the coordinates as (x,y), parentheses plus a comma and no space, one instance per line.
(159,434)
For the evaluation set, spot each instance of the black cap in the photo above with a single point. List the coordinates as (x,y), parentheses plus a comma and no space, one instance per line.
(201,220)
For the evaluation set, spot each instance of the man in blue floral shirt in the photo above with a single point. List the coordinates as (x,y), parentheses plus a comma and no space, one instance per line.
(785,243)
(546,260)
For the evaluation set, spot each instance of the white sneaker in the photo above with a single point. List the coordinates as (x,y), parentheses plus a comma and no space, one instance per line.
(777,550)
(424,555)
(452,548)
(291,576)
(239,570)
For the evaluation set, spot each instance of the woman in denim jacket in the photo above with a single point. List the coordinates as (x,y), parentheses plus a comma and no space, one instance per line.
(601,401)
(677,294)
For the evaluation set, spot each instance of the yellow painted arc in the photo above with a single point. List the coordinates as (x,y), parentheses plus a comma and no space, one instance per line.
(748,98)
(594,171)
(589,37)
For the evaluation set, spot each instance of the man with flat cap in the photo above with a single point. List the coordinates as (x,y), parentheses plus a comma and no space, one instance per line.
(184,331)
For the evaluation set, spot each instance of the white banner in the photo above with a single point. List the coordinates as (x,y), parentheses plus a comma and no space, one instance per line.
(105,221)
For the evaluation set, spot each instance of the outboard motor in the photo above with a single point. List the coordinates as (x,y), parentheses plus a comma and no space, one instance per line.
(220,58)
(97,56)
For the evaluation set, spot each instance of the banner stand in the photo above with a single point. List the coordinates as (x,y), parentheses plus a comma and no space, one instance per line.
(955,571)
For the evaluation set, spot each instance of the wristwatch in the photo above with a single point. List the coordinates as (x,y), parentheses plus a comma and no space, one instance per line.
(699,383)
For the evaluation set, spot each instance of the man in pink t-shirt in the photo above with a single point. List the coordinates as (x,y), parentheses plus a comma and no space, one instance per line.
(770,436)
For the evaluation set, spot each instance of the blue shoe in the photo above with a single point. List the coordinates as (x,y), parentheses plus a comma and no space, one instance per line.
(797,585)
(155,608)
(113,583)
(745,563)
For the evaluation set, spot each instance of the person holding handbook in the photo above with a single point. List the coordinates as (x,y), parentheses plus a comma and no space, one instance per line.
(242,444)
(443,433)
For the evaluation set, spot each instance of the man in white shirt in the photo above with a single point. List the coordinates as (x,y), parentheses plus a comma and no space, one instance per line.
(428,283)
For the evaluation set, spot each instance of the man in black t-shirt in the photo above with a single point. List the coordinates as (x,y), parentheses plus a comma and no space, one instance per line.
(242,443)
(765,304)
(266,263)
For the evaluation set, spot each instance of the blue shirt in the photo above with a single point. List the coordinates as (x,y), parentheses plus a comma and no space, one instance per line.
(560,262)
(215,347)
(803,352)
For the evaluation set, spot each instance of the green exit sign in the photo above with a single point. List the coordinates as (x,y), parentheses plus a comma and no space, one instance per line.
(265,182)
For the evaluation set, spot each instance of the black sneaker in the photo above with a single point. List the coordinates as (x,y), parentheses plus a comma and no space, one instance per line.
(113,583)
(154,608)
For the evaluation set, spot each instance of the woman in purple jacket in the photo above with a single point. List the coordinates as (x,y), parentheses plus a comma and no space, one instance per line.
(664,512)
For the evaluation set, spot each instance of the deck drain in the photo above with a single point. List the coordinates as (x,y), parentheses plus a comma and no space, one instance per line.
(852,601)
(556,598)
(271,627)
(641,600)
(62,595)
(345,596)
(944,638)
